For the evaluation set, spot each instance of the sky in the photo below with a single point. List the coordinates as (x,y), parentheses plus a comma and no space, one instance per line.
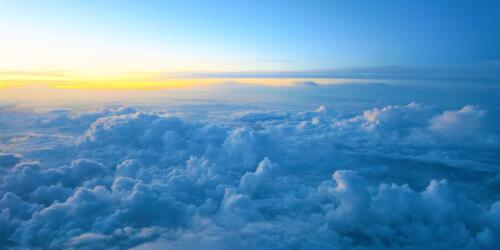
(249,125)
(155,41)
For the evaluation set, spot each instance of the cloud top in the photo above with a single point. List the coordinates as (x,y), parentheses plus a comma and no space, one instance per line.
(395,177)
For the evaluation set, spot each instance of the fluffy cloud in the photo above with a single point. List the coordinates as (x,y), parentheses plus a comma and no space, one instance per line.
(395,177)
(464,122)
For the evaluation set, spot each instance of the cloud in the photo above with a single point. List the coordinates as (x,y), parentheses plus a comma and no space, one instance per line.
(393,177)
(257,116)
(9,160)
(464,122)
(481,72)
(306,84)
(65,121)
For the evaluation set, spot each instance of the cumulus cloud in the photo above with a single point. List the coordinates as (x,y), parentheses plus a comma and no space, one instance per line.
(394,177)
(464,122)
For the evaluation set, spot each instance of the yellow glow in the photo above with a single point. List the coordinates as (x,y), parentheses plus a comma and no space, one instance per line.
(125,81)
(49,89)
(125,85)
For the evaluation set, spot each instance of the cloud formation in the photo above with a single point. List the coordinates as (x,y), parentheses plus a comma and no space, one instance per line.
(395,177)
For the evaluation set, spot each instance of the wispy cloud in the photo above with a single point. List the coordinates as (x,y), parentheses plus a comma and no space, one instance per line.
(479,72)
(484,72)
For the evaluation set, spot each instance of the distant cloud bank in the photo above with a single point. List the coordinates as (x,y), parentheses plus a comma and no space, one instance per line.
(484,72)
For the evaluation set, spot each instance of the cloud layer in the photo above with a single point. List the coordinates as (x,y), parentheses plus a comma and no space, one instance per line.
(394,177)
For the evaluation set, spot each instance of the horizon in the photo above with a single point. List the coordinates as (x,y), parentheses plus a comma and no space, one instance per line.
(249,125)
(83,42)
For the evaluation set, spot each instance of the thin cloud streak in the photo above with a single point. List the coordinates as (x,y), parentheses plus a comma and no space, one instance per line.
(486,72)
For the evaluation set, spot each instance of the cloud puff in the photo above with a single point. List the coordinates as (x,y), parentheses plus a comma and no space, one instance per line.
(464,122)
(64,120)
(394,177)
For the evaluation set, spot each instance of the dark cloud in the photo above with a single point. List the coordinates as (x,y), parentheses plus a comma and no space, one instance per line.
(306,84)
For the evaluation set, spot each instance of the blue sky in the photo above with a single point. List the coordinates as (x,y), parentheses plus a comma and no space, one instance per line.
(246,35)
(249,125)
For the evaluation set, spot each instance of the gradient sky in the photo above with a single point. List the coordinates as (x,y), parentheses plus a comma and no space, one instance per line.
(115,37)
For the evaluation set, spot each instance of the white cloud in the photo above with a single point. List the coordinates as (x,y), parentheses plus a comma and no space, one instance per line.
(464,122)
(396,177)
